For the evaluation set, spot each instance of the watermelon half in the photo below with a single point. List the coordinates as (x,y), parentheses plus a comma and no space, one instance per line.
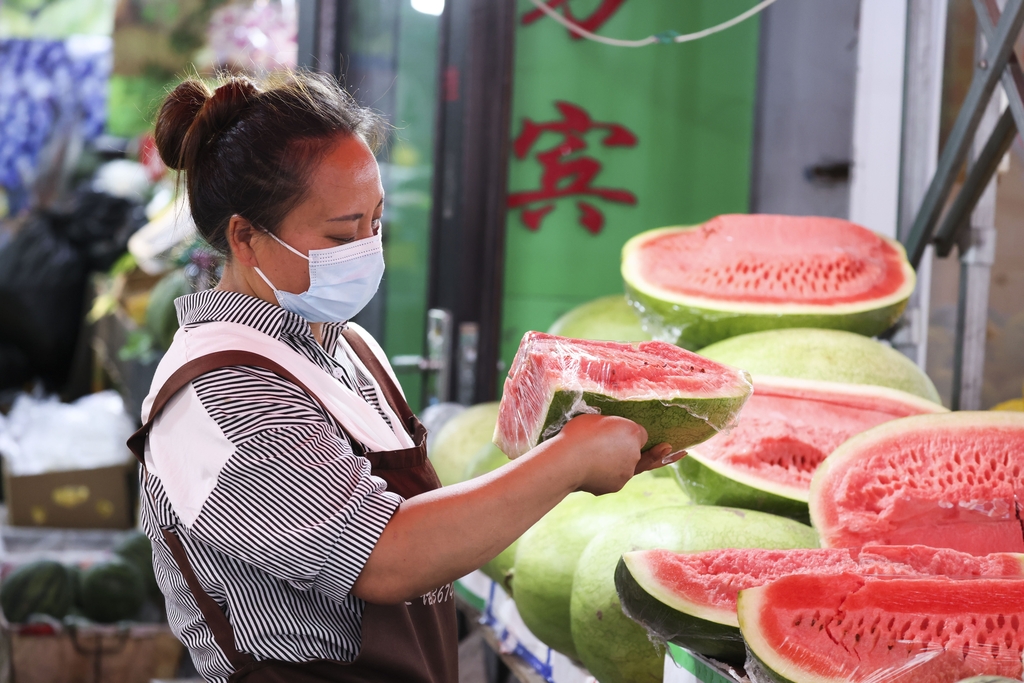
(746,273)
(955,480)
(690,598)
(784,432)
(847,628)
(679,397)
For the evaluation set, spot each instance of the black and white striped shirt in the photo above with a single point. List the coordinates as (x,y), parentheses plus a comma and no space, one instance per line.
(277,514)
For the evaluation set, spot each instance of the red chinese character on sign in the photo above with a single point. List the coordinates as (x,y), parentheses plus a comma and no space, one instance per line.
(591,23)
(566,175)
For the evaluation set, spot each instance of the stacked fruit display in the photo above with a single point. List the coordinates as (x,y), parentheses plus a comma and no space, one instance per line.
(104,592)
(918,510)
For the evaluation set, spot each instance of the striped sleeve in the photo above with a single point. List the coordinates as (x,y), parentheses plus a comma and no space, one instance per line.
(291,499)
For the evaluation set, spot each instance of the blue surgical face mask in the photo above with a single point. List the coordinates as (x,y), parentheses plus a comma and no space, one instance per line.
(342,280)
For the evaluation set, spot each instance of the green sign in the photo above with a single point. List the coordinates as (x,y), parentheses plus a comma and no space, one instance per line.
(610,141)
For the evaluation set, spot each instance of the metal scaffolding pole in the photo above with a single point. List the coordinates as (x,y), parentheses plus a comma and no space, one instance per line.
(983,131)
(922,105)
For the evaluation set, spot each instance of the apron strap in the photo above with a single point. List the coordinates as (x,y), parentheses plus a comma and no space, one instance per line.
(387,386)
(218,622)
(215,618)
(200,366)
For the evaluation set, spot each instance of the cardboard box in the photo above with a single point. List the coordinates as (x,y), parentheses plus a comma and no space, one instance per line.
(97,654)
(73,499)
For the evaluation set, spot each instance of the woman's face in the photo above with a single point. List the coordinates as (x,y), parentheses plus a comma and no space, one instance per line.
(344,203)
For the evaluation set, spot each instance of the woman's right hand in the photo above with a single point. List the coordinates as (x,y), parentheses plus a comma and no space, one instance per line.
(606,450)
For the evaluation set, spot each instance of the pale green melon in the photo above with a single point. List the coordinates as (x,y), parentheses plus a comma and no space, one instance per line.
(828,355)
(451,450)
(613,647)
(609,318)
(488,459)
(546,557)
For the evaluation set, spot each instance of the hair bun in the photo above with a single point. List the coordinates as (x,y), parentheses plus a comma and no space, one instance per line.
(192,116)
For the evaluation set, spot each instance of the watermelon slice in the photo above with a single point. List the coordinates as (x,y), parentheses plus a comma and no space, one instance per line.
(955,480)
(737,274)
(849,628)
(678,396)
(784,432)
(690,598)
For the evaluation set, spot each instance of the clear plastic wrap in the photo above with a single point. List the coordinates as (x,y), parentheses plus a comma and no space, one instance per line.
(689,599)
(679,397)
(784,432)
(953,479)
(875,629)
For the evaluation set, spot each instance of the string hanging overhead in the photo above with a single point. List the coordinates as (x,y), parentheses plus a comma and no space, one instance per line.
(663,37)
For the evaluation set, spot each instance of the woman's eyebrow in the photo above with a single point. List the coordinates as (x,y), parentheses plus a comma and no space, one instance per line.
(352,216)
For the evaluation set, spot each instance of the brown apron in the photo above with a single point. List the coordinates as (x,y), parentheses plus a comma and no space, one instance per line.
(414,642)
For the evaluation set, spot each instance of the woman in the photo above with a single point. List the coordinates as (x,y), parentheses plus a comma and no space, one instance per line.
(299,532)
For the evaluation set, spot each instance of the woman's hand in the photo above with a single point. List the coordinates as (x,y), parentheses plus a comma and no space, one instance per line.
(608,451)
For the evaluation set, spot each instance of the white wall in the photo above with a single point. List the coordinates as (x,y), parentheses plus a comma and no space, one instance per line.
(878,115)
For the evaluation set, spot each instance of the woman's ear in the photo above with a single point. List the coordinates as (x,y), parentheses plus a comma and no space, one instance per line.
(240,234)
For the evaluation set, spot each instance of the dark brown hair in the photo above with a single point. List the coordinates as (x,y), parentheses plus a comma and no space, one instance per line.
(249,147)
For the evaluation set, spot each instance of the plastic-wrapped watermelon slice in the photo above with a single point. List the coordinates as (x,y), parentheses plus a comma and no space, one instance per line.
(679,397)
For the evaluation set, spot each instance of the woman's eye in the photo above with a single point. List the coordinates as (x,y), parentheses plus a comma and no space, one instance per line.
(376,225)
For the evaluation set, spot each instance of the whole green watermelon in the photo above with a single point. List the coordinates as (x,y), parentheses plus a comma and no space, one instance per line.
(112,591)
(137,550)
(43,587)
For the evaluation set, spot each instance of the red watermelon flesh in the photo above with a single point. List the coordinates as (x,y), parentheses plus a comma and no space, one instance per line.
(853,628)
(789,426)
(955,480)
(679,397)
(705,584)
(775,260)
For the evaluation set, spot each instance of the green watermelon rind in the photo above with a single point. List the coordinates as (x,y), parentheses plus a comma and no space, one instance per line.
(823,355)
(715,483)
(610,318)
(695,322)
(547,554)
(715,633)
(682,422)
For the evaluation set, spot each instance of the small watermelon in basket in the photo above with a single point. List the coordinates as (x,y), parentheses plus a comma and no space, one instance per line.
(43,587)
(112,591)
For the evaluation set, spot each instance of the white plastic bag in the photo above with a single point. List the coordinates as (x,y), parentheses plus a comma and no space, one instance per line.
(44,435)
